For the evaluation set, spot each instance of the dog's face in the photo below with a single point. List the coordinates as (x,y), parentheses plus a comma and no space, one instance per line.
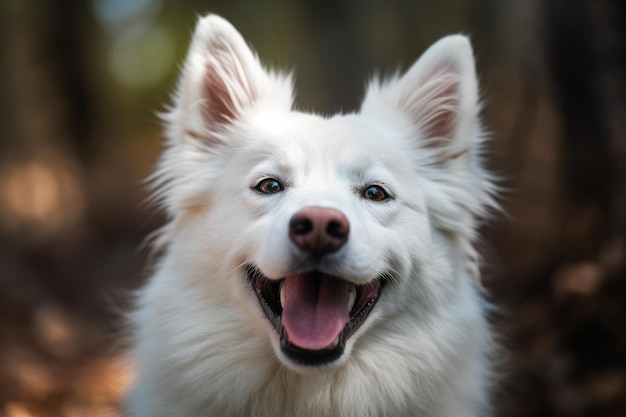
(318,227)
(328,212)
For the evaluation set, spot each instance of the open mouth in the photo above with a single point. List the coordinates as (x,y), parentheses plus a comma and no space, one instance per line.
(313,312)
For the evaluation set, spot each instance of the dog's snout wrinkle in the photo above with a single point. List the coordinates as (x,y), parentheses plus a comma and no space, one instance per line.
(319,230)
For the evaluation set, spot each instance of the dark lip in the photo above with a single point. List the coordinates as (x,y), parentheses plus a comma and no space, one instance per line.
(267,292)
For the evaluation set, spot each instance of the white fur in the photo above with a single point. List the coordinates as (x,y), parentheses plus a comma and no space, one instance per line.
(204,347)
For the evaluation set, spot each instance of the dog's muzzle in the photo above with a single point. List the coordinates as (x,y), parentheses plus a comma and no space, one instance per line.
(315,312)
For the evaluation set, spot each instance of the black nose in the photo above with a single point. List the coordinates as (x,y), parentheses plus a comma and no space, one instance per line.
(319,230)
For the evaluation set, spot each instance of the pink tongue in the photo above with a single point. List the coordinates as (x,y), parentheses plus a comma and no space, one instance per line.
(314,309)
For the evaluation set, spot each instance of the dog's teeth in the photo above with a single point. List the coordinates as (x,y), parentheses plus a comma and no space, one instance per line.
(281,293)
(334,344)
(351,297)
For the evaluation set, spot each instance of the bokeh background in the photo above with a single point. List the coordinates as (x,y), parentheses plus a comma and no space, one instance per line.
(81,82)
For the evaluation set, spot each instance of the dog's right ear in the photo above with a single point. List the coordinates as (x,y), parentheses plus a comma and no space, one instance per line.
(221,86)
(222,78)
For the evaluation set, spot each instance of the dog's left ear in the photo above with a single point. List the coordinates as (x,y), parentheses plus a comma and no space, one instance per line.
(433,111)
(438,96)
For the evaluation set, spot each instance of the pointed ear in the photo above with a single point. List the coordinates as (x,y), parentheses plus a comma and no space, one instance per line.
(222,78)
(438,96)
(432,111)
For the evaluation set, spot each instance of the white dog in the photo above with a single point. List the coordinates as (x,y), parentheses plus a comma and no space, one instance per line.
(317,266)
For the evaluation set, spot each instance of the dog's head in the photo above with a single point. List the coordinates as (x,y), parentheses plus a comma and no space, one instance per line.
(321,226)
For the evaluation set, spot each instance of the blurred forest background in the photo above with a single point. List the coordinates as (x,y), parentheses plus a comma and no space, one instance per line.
(81,81)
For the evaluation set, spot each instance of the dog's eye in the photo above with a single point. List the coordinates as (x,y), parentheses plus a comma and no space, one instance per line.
(375,193)
(269,186)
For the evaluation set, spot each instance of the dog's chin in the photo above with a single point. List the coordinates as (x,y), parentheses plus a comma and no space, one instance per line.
(314,315)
